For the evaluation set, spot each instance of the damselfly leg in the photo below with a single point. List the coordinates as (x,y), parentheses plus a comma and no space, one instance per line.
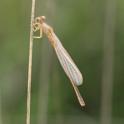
(37,27)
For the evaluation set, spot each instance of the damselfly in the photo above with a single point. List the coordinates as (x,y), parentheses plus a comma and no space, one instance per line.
(66,61)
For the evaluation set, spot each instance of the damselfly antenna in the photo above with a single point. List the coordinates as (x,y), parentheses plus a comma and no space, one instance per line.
(66,61)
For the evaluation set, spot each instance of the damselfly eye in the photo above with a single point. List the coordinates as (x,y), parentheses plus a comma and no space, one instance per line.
(37,20)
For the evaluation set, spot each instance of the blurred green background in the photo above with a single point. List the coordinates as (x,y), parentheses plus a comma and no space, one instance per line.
(92,31)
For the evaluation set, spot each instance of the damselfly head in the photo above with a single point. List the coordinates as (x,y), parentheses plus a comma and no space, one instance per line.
(37,25)
(39,19)
(37,22)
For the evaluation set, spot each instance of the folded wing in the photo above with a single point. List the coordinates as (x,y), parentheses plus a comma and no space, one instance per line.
(67,63)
